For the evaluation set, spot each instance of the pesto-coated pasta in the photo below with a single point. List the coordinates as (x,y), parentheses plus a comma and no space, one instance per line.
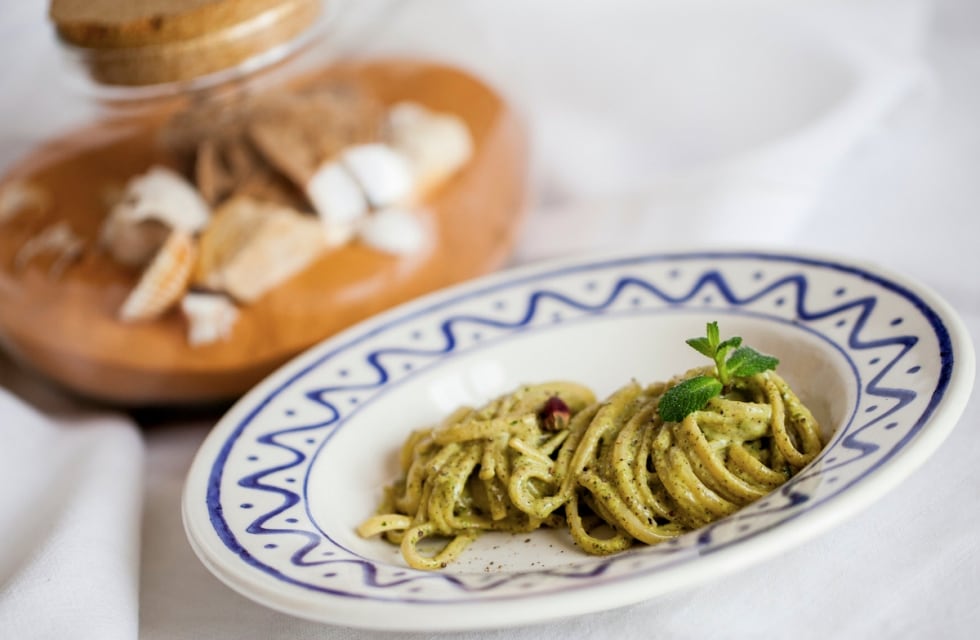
(613,472)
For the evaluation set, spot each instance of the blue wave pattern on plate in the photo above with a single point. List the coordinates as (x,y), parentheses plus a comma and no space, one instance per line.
(773,287)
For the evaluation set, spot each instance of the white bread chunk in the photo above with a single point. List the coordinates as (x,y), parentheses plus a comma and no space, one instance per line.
(252,246)
(336,196)
(153,204)
(163,194)
(396,231)
(384,174)
(436,144)
(210,317)
(164,281)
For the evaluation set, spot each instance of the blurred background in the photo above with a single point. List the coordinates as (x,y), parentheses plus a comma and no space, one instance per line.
(746,122)
(842,126)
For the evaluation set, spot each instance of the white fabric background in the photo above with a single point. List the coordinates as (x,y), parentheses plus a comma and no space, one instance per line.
(838,126)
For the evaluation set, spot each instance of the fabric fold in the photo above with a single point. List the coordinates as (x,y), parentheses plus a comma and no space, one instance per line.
(70,513)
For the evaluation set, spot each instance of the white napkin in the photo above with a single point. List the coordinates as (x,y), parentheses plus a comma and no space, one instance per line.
(70,517)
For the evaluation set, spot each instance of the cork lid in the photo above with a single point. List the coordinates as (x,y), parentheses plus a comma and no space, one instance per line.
(150,42)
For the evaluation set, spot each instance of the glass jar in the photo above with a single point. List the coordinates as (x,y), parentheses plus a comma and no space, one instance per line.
(178,222)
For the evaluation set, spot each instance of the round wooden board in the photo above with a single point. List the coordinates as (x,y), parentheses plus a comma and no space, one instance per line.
(66,326)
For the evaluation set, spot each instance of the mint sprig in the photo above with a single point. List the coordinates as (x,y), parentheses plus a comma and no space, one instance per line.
(732,360)
(688,396)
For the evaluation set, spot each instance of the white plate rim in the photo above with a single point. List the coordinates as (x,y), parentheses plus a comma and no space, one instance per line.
(471,615)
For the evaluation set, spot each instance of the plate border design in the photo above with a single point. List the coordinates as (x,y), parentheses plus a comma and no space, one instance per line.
(709,276)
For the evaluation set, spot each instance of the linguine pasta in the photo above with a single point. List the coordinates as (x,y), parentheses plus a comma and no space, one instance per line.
(612,471)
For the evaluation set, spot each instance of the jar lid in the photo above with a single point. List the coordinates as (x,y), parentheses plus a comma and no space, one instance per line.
(153,42)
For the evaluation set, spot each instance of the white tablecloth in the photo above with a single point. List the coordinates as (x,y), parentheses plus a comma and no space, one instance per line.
(848,127)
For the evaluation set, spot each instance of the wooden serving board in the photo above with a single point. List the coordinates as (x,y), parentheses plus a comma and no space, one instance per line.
(66,326)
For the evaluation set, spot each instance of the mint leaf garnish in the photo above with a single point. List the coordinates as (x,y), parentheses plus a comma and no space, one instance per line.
(714,334)
(694,393)
(721,353)
(746,361)
(703,346)
(687,397)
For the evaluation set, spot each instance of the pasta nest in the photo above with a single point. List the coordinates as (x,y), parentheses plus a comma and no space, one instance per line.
(614,473)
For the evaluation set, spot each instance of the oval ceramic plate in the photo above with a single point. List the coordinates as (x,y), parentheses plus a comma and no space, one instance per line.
(276,491)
